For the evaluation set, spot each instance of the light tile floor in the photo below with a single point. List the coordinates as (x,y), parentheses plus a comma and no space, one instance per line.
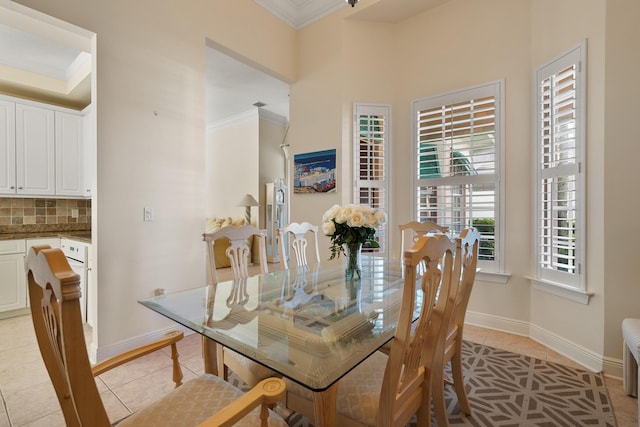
(27,397)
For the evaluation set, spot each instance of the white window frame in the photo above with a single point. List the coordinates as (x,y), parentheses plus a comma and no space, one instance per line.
(489,270)
(571,285)
(360,109)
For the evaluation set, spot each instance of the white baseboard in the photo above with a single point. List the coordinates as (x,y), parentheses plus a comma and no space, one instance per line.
(489,321)
(581,355)
(93,352)
(103,353)
(612,367)
(573,351)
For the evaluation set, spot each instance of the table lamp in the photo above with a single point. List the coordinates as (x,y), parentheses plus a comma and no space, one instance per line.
(246,202)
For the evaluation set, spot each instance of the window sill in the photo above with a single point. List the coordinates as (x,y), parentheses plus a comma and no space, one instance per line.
(558,289)
(488,276)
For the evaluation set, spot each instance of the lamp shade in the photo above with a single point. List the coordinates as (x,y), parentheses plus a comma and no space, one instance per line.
(248,200)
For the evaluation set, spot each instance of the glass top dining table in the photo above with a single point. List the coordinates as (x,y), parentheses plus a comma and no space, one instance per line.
(312,326)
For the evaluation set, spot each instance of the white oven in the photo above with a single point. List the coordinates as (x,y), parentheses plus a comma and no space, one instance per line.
(76,253)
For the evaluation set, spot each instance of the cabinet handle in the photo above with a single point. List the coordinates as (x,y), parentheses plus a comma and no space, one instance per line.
(13,187)
(20,188)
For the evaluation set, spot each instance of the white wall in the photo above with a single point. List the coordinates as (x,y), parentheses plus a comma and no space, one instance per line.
(151,58)
(144,159)
(621,153)
(242,155)
(232,163)
(435,58)
(440,58)
(501,40)
(272,132)
(579,328)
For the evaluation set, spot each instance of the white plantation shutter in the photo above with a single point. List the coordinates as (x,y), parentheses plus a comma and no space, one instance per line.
(560,182)
(371,145)
(458,164)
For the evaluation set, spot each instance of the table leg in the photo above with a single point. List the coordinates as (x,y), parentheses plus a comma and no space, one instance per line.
(210,356)
(324,407)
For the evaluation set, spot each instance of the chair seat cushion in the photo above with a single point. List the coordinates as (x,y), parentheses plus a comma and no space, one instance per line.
(358,391)
(631,335)
(194,402)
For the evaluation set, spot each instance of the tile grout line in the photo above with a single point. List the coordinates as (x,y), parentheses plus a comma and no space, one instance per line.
(6,409)
(122,401)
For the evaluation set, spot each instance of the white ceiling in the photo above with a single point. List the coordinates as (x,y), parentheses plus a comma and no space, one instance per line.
(233,87)
(52,64)
(300,13)
(41,60)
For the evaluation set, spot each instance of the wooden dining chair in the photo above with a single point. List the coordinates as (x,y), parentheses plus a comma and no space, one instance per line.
(239,253)
(54,292)
(297,238)
(410,232)
(296,234)
(389,390)
(467,245)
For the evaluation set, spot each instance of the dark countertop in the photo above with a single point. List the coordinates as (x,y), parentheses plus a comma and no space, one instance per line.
(80,235)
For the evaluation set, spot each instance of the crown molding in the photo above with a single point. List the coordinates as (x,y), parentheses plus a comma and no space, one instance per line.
(300,13)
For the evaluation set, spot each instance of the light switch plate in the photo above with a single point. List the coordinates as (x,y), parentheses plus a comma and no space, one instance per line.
(148,213)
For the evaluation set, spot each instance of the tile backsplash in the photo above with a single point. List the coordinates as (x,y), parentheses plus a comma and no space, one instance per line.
(19,211)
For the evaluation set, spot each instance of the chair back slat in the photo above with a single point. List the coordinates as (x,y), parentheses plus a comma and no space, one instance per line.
(239,251)
(467,247)
(54,292)
(449,325)
(298,233)
(405,384)
(411,231)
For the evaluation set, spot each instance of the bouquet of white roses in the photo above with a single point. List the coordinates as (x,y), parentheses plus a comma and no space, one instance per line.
(350,225)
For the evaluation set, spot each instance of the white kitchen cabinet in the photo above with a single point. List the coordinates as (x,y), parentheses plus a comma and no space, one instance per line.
(69,167)
(35,150)
(54,242)
(89,143)
(92,291)
(7,147)
(42,150)
(13,287)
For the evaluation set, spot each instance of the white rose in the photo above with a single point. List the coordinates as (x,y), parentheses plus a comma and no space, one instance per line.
(328,228)
(331,213)
(370,220)
(356,220)
(345,214)
(381,217)
(361,210)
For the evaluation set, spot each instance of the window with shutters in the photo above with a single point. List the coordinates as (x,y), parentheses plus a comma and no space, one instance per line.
(560,121)
(458,165)
(371,145)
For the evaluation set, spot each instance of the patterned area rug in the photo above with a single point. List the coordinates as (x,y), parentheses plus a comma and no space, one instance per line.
(508,389)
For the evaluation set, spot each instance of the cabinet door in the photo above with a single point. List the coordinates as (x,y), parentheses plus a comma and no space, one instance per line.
(7,147)
(89,144)
(13,288)
(54,242)
(69,155)
(35,150)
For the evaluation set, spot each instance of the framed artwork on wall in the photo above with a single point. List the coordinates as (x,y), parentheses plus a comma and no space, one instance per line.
(315,172)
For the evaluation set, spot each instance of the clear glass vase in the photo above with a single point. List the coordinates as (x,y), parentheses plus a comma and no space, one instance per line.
(353,251)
